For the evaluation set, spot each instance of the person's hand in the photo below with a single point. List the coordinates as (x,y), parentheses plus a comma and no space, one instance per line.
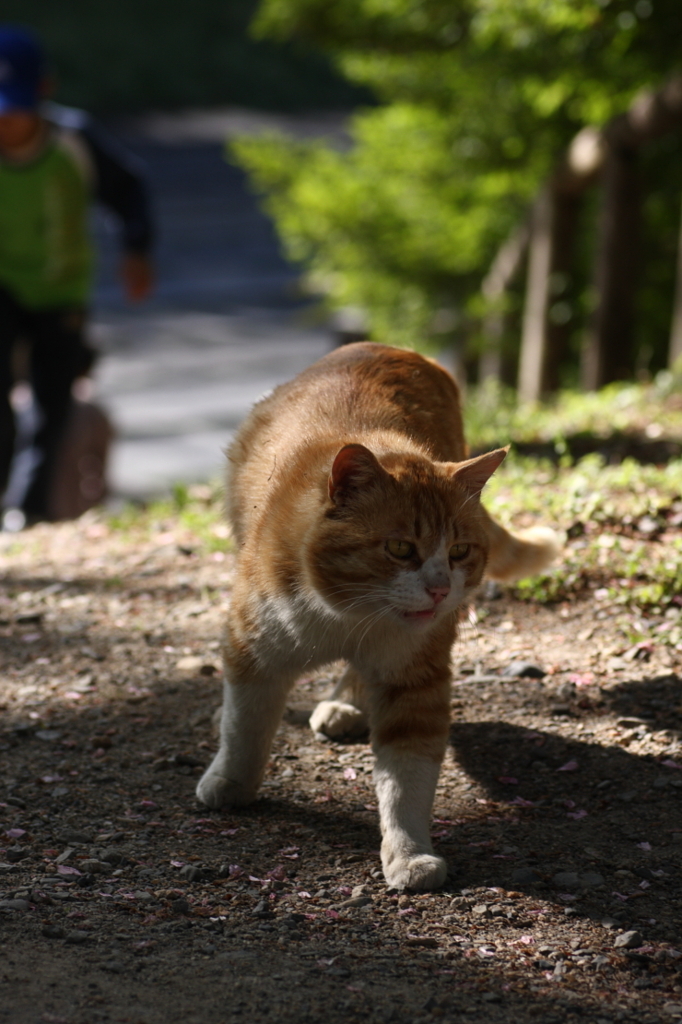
(137,274)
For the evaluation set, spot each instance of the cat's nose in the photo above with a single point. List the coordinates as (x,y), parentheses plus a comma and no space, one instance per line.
(438,593)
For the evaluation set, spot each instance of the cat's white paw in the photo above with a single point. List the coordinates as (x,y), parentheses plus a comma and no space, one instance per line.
(214,790)
(334,718)
(421,871)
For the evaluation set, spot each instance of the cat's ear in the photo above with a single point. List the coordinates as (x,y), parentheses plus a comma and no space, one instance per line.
(475,473)
(354,468)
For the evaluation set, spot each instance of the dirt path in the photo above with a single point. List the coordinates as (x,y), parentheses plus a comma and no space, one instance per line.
(122,900)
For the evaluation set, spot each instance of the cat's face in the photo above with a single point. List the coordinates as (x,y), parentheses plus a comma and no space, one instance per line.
(401,539)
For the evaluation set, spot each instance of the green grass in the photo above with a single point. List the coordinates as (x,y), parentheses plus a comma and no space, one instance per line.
(493,416)
(195,513)
(624,542)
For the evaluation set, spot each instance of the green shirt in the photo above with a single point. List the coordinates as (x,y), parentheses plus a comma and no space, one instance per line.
(46,256)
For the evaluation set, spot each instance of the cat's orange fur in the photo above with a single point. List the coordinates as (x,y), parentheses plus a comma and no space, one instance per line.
(360,534)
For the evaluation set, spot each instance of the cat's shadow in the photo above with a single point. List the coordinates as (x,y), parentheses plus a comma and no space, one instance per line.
(542,804)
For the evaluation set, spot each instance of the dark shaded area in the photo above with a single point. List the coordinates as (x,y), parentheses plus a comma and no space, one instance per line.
(165,53)
(614,448)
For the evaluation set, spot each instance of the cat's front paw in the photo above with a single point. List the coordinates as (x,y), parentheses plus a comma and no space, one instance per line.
(334,718)
(216,791)
(422,871)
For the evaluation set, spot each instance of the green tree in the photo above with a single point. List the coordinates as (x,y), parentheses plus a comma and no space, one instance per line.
(477,99)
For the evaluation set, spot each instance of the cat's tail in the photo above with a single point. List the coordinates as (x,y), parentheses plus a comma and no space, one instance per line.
(514,556)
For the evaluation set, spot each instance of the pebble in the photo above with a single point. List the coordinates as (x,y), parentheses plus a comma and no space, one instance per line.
(111,856)
(525,875)
(180,906)
(16,853)
(93,866)
(628,940)
(481,910)
(566,879)
(15,905)
(113,967)
(192,874)
(53,931)
(73,836)
(357,901)
(77,937)
(589,879)
(524,670)
(674,1009)
(48,735)
(261,909)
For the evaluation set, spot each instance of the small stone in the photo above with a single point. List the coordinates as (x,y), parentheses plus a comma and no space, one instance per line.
(648,525)
(481,910)
(6,869)
(524,670)
(53,931)
(113,967)
(180,906)
(192,874)
(16,853)
(189,665)
(673,1009)
(566,879)
(111,856)
(357,901)
(628,940)
(48,735)
(590,879)
(93,866)
(71,836)
(610,923)
(261,909)
(77,937)
(15,905)
(525,876)
(63,857)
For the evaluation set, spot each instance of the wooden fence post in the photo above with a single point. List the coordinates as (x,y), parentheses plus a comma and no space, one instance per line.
(533,357)
(675,351)
(607,354)
(544,338)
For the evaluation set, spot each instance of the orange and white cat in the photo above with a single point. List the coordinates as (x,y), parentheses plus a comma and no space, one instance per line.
(360,534)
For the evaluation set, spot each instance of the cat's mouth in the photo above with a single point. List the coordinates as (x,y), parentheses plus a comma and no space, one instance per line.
(423,615)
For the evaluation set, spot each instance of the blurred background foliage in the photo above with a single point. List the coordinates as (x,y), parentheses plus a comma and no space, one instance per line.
(132,55)
(478,101)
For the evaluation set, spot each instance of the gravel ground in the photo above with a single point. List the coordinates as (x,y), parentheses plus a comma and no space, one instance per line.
(121,899)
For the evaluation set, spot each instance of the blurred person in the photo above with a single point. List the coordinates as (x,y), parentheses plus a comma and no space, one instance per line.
(54,163)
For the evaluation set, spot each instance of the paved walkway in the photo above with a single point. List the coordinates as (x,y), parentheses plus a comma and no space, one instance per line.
(226,323)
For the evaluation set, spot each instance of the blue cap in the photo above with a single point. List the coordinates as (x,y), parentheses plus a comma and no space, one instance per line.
(22,68)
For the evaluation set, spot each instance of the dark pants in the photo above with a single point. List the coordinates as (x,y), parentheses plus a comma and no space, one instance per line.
(58,355)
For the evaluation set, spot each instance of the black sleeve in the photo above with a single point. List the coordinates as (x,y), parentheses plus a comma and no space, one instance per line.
(121,187)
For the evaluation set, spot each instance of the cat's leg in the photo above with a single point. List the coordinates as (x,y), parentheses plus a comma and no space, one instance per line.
(335,717)
(253,704)
(409,736)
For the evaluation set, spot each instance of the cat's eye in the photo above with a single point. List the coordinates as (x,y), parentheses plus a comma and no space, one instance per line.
(400,548)
(458,551)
